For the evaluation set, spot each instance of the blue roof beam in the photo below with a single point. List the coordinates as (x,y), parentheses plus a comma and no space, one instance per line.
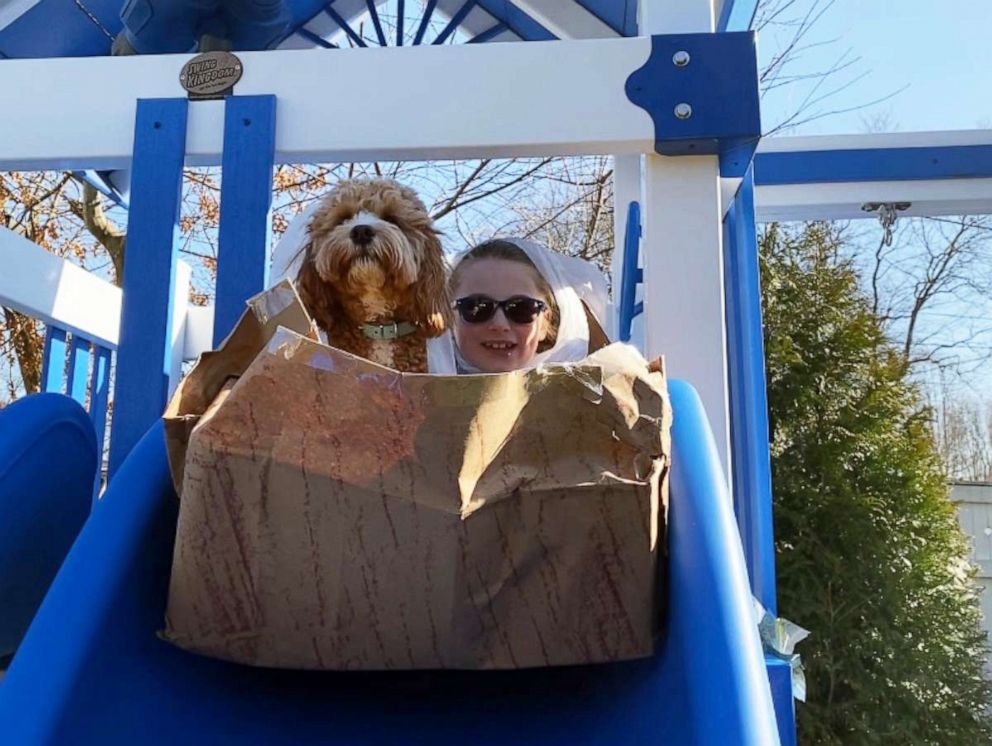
(875,164)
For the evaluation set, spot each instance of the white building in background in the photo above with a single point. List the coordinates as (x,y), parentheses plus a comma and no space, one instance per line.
(974,504)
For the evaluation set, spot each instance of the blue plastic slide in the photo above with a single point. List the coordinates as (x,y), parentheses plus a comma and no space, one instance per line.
(92,671)
(48,460)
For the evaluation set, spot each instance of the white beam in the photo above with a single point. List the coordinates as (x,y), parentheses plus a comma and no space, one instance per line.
(683,251)
(872,141)
(199,336)
(180,314)
(459,101)
(675,16)
(566,20)
(55,291)
(842,201)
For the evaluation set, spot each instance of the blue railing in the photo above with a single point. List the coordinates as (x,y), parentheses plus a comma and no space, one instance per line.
(75,366)
(631,275)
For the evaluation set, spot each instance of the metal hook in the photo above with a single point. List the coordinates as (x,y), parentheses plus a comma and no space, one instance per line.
(888,212)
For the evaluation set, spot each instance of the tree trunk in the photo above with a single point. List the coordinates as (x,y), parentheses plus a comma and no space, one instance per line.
(103,229)
(29,347)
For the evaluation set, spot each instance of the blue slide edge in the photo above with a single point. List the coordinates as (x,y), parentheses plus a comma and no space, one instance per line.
(48,461)
(91,669)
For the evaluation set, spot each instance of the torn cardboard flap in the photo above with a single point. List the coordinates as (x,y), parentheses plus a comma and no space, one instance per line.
(337,514)
(266,312)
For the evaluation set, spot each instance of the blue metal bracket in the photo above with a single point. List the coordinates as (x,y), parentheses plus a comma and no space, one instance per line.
(701,91)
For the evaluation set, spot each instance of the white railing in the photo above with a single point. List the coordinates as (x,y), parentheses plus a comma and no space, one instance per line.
(82,314)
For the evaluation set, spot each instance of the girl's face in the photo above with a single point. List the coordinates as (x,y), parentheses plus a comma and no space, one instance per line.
(499,345)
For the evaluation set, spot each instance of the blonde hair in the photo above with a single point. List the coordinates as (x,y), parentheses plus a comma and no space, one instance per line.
(497,248)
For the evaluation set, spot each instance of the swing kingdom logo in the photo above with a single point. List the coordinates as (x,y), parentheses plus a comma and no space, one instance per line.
(211,75)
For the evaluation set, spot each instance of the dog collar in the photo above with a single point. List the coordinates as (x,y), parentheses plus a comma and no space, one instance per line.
(388,331)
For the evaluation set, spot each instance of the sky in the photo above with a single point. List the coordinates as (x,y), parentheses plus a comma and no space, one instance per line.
(932,60)
(934,55)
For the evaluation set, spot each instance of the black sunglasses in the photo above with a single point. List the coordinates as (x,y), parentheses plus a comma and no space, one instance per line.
(477,309)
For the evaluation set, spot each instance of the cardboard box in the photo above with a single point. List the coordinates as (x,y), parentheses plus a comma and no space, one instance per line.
(336,514)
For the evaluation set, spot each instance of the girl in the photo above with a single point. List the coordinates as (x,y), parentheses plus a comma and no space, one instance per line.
(519,304)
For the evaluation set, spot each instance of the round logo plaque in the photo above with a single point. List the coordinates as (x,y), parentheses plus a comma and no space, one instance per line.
(211,75)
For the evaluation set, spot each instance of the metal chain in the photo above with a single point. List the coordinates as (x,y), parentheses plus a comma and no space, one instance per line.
(888,212)
(93,19)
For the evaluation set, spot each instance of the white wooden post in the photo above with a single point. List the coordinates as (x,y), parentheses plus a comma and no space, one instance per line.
(180,308)
(683,252)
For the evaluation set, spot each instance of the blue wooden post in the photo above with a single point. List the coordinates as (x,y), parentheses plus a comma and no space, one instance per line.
(631,275)
(99,390)
(748,395)
(79,363)
(245,199)
(149,267)
(780,681)
(749,432)
(53,361)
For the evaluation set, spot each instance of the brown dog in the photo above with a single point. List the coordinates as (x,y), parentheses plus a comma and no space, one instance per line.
(373,274)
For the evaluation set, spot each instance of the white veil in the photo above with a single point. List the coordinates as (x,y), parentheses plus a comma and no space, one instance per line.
(572,280)
(288,255)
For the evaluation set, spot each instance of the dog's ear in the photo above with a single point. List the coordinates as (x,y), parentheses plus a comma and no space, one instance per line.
(432,299)
(317,295)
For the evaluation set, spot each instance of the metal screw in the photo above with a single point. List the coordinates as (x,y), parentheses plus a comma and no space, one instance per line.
(683,111)
(681,58)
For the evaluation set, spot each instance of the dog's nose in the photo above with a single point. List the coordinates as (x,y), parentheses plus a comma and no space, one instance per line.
(362,234)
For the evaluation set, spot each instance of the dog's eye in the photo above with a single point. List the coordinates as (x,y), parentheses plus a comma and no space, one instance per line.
(390,219)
